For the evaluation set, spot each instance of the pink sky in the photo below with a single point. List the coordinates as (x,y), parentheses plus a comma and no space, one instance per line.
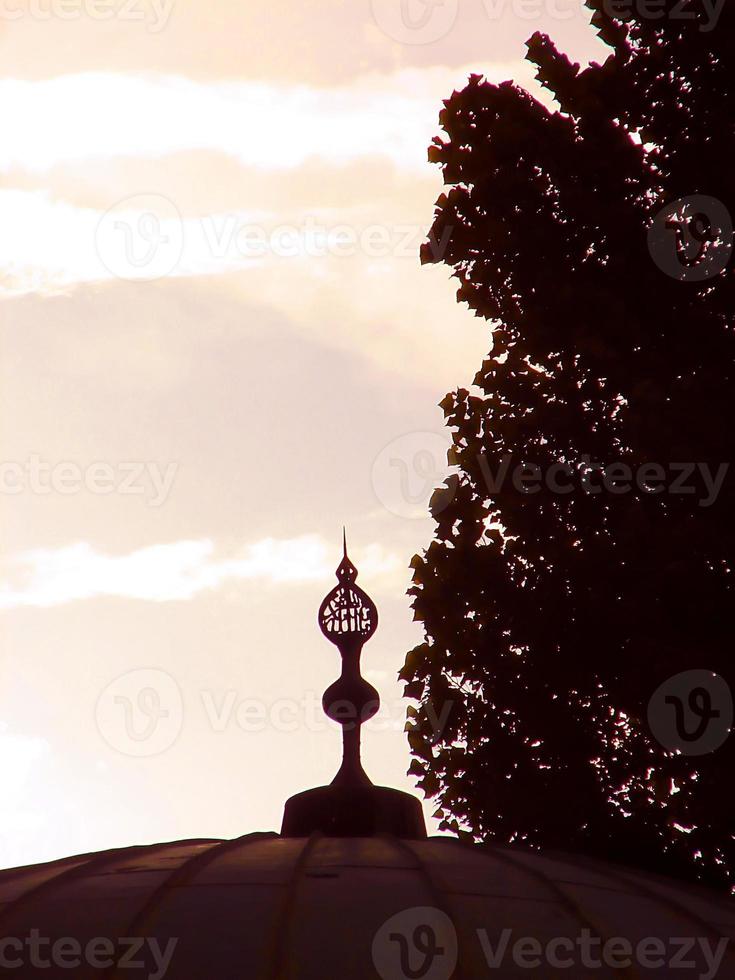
(217,347)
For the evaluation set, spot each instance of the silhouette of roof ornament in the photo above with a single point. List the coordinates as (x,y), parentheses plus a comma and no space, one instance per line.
(351,805)
(348,618)
(347,609)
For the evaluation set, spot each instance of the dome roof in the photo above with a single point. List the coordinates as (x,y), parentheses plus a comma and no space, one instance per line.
(328,908)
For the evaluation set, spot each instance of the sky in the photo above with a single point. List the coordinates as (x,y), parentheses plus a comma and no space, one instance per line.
(218,346)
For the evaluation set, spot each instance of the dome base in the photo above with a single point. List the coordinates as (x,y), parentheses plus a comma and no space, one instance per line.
(353,811)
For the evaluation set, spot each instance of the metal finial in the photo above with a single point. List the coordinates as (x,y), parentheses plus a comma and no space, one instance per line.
(348,618)
(351,806)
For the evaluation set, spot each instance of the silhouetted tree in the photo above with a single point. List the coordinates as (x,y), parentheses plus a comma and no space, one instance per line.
(551,616)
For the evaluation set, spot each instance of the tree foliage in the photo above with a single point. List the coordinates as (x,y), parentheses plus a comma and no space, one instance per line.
(551,617)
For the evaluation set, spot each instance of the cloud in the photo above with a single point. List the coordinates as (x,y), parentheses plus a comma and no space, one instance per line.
(142,176)
(25,763)
(323,42)
(267,125)
(170,572)
(19,756)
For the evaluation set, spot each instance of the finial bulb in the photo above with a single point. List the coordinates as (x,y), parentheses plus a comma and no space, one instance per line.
(347,612)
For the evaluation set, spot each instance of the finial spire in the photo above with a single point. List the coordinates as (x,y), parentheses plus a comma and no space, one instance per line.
(351,806)
(348,618)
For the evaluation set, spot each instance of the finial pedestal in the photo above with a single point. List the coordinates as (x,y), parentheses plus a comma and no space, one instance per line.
(353,811)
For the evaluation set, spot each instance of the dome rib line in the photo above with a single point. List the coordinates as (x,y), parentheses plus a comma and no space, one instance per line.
(638,884)
(189,867)
(93,864)
(565,898)
(438,897)
(279,945)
